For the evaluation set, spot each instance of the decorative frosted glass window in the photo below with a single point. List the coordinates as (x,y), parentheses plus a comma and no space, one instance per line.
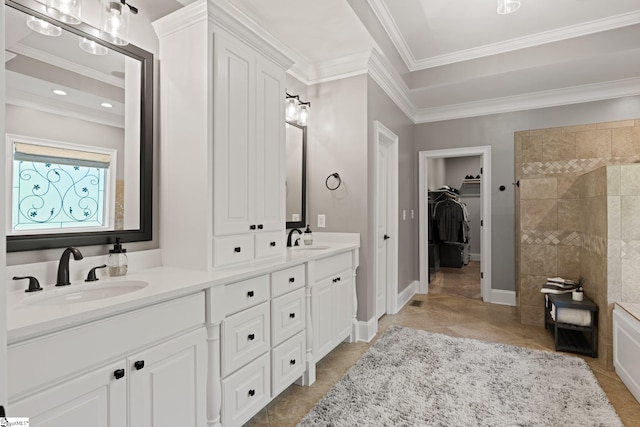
(59,187)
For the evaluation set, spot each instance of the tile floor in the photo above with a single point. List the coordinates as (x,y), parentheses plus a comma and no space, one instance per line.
(444,313)
(463,281)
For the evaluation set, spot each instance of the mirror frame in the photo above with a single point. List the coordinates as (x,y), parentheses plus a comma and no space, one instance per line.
(303,216)
(144,233)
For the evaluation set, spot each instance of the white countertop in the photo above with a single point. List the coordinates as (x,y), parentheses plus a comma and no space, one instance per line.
(632,309)
(27,320)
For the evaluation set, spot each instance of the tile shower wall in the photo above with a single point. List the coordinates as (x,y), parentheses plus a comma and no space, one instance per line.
(554,236)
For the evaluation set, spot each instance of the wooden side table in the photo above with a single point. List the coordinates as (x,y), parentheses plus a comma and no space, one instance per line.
(569,337)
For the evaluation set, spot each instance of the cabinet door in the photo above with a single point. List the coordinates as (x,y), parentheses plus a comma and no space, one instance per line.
(343,306)
(322,317)
(95,399)
(168,383)
(269,150)
(234,135)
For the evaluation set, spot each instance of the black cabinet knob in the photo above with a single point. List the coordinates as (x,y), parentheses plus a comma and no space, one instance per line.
(292,279)
(260,226)
(118,373)
(251,337)
(139,364)
(292,362)
(237,249)
(292,315)
(252,392)
(337,279)
(386,237)
(252,226)
(273,244)
(250,294)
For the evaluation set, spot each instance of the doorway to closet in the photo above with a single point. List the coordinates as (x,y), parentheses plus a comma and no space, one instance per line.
(455,225)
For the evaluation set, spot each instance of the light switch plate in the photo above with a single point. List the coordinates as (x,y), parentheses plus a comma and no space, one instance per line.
(321,220)
(404,215)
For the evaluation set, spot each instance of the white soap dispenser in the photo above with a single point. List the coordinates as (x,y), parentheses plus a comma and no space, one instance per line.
(308,237)
(117,263)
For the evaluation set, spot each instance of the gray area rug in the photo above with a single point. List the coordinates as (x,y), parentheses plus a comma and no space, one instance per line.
(411,377)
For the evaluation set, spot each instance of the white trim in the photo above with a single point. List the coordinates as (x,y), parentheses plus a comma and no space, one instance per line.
(530,101)
(382,135)
(485,211)
(406,294)
(383,73)
(474,257)
(502,297)
(367,330)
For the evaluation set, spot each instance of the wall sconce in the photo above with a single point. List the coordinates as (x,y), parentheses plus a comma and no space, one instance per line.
(115,20)
(41,26)
(67,11)
(92,47)
(297,111)
(508,6)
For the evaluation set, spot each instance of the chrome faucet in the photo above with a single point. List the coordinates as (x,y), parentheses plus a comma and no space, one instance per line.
(289,237)
(63,266)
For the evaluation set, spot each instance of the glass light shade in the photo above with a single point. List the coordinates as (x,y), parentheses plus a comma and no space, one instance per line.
(43,27)
(67,11)
(303,114)
(508,6)
(92,47)
(291,109)
(115,22)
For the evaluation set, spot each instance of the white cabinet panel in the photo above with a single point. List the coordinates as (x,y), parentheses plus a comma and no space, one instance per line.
(235,249)
(287,280)
(246,392)
(167,385)
(287,363)
(270,244)
(287,316)
(245,294)
(323,319)
(245,336)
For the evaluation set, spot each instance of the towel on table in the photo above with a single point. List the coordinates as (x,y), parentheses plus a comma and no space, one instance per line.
(572,316)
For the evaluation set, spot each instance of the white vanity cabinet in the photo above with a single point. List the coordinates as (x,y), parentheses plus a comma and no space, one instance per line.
(143,368)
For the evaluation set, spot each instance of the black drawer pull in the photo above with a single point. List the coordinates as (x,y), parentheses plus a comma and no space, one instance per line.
(292,279)
(251,337)
(237,250)
(252,226)
(292,315)
(252,392)
(139,364)
(337,279)
(250,294)
(118,373)
(273,244)
(292,362)
(260,226)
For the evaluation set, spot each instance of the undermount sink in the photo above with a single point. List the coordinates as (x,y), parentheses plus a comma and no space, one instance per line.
(86,292)
(309,248)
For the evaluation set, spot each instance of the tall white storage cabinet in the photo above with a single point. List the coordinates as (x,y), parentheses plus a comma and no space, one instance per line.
(222,139)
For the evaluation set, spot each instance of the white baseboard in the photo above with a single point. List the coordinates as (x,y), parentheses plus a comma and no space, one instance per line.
(367,330)
(499,296)
(406,295)
(474,257)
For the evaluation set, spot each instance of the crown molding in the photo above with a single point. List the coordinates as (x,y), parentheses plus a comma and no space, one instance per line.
(544,99)
(341,68)
(381,11)
(383,73)
(584,29)
(180,19)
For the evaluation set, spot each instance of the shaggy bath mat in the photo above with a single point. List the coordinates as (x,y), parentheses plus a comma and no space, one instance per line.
(411,377)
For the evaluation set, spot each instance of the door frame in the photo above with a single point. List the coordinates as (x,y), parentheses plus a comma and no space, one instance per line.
(382,135)
(484,152)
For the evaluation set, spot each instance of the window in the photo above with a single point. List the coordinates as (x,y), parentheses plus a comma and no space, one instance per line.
(60,187)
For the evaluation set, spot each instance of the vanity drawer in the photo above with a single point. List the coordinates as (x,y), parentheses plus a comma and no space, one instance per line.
(284,281)
(229,250)
(245,336)
(332,265)
(287,363)
(44,361)
(269,244)
(245,294)
(246,392)
(287,316)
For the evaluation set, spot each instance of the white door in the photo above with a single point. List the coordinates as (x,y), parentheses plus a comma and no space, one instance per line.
(382,234)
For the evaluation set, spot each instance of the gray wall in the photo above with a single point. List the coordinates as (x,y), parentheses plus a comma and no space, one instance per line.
(497,131)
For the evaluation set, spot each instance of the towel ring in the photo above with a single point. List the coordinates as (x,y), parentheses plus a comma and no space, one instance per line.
(336,176)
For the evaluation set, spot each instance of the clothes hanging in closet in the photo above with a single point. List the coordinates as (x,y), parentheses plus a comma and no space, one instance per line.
(452,221)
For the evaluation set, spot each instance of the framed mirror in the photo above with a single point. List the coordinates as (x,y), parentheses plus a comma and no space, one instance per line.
(79,142)
(296,148)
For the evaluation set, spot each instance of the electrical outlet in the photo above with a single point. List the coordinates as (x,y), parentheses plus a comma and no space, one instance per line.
(412,215)
(404,215)
(321,220)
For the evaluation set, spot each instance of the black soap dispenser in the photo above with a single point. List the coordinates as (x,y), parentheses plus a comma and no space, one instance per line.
(117,263)
(308,237)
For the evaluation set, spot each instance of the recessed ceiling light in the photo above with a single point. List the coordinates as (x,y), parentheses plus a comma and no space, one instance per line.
(106,105)
(59,92)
